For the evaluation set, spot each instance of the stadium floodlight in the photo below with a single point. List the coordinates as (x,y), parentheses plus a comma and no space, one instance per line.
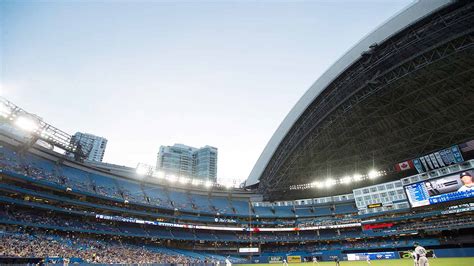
(329,182)
(196,182)
(144,169)
(346,180)
(172,178)
(373,174)
(357,177)
(208,184)
(44,134)
(26,123)
(159,174)
(183,180)
(318,184)
(5,111)
(141,169)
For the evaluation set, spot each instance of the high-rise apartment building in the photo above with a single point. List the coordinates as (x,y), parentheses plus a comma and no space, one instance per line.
(182,160)
(93,146)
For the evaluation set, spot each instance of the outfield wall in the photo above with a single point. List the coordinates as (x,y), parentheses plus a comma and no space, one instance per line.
(454,252)
(329,255)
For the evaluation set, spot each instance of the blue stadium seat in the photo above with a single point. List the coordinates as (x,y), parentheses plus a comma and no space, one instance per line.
(131,190)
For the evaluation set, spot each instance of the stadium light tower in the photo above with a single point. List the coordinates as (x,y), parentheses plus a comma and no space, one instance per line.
(36,128)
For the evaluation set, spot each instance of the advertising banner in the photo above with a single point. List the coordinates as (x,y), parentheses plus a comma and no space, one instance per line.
(275,259)
(294,259)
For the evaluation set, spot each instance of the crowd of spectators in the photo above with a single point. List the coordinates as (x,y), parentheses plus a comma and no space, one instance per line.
(452,222)
(46,218)
(51,219)
(344,245)
(90,251)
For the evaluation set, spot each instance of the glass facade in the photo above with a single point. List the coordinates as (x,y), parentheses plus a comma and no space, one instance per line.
(94,146)
(186,161)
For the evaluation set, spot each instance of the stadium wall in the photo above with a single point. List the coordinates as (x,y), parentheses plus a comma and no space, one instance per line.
(454,252)
(331,254)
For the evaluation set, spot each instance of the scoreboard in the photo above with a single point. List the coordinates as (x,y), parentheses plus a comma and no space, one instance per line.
(438,190)
(417,195)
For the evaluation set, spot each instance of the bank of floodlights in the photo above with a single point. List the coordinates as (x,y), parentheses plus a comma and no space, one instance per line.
(345,180)
(208,184)
(184,180)
(33,126)
(373,174)
(27,123)
(159,174)
(196,182)
(147,170)
(144,169)
(329,182)
(172,178)
(357,177)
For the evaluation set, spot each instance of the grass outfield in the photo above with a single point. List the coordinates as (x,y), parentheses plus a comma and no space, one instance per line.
(399,262)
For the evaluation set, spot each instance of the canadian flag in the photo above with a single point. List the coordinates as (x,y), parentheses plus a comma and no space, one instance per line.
(404,166)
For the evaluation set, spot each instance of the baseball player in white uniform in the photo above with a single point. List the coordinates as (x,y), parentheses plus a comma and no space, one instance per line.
(415,259)
(421,255)
(285,263)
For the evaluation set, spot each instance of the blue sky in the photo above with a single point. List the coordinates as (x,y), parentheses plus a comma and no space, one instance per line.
(151,73)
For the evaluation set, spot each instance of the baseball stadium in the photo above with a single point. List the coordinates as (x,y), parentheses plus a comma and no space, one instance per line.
(374,165)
